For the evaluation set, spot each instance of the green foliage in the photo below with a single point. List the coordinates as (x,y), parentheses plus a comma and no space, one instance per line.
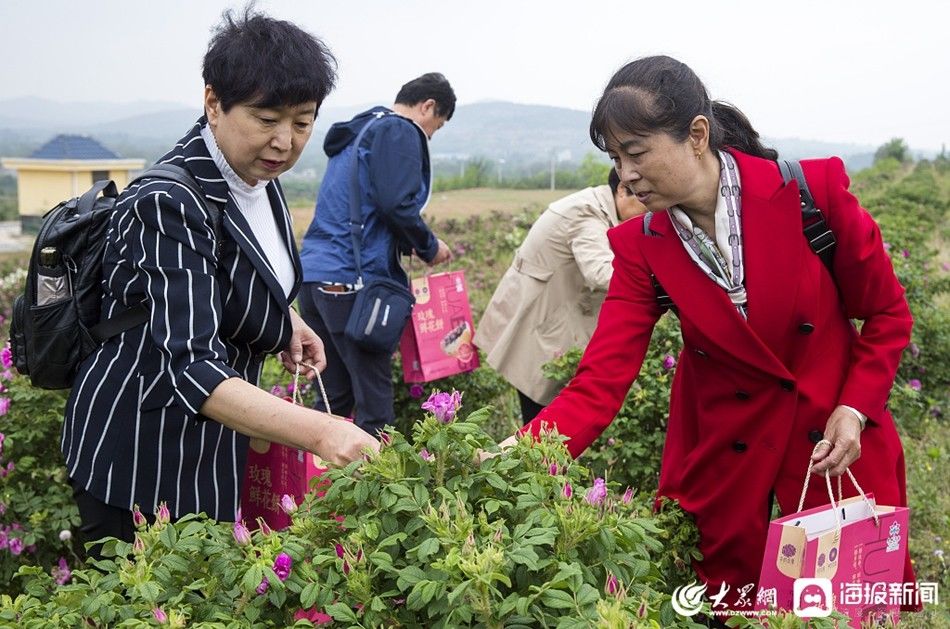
(629,450)
(895,149)
(421,534)
(36,504)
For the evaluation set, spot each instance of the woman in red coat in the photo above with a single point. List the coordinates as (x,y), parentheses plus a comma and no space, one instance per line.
(771,363)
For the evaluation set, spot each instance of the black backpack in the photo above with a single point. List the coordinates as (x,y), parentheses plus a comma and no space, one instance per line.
(50,340)
(816,230)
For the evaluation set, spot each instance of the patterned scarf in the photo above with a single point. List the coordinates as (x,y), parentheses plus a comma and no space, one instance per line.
(720,259)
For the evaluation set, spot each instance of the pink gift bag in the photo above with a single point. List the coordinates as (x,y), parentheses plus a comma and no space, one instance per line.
(846,556)
(273,470)
(437,342)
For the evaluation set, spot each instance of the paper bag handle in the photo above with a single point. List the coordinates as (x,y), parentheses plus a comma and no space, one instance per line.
(834,505)
(323,391)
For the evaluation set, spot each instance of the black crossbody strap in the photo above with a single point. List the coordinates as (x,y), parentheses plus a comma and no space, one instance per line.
(356,214)
(139,314)
(819,236)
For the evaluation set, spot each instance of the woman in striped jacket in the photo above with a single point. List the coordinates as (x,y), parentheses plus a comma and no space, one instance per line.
(163,411)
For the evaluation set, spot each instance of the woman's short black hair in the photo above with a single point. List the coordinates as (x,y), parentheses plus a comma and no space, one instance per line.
(430,85)
(265,62)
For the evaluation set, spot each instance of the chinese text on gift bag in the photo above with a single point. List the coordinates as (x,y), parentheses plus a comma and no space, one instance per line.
(437,343)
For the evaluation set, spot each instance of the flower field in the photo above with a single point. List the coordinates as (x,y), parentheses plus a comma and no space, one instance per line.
(423,535)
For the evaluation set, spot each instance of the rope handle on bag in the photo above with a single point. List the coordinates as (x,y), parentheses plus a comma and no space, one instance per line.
(811,464)
(296,394)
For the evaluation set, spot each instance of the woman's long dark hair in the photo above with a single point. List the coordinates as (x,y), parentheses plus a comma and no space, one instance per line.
(661,94)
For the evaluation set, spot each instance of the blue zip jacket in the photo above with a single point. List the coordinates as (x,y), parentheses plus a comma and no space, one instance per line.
(394,176)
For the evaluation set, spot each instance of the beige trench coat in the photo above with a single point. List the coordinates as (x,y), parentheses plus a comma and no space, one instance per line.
(549,298)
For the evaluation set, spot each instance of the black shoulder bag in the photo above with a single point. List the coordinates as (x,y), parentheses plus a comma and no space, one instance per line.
(383,306)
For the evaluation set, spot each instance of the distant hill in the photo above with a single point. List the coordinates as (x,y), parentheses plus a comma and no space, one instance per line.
(519,134)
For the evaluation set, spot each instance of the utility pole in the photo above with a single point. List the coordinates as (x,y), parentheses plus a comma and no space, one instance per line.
(501,162)
(553,168)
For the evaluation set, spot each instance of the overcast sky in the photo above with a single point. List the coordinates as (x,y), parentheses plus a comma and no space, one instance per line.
(844,71)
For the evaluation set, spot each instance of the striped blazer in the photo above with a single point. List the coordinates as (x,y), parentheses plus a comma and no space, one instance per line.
(133,433)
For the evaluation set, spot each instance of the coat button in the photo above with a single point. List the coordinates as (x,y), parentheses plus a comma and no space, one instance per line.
(740,446)
(701,353)
(806,328)
(788,385)
(743,395)
(815,436)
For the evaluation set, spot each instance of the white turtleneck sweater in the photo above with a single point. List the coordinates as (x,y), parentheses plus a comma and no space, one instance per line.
(255,206)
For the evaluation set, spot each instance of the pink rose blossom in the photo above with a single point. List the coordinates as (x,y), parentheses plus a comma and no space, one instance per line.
(425,455)
(160,616)
(61,573)
(163,515)
(241,534)
(627,496)
(611,586)
(914,384)
(6,356)
(443,405)
(4,405)
(416,391)
(568,491)
(668,362)
(15,546)
(262,588)
(595,495)
(282,565)
(288,504)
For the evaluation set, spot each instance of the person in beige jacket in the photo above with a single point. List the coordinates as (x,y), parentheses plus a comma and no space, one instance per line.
(549,298)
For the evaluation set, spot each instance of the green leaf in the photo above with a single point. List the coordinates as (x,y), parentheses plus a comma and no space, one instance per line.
(252,578)
(491,506)
(427,548)
(409,576)
(399,489)
(422,592)
(341,611)
(458,591)
(586,595)
(308,596)
(557,599)
(169,536)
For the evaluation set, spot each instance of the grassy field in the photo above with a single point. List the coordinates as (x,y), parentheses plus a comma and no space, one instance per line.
(460,204)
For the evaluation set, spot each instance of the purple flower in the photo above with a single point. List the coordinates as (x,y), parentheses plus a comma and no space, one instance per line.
(282,565)
(4,540)
(568,491)
(611,586)
(595,495)
(278,390)
(914,384)
(416,391)
(611,441)
(61,573)
(905,253)
(163,515)
(6,356)
(914,350)
(385,438)
(137,518)
(4,405)
(288,504)
(425,455)
(668,362)
(627,496)
(160,616)
(263,586)
(945,266)
(138,546)
(290,388)
(241,535)
(443,405)
(16,546)
(887,246)
(340,551)
(552,470)
(788,550)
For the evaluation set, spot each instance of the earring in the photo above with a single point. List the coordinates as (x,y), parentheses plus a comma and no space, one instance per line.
(699,155)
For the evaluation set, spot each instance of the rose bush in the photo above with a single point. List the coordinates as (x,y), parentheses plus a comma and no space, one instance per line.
(419,534)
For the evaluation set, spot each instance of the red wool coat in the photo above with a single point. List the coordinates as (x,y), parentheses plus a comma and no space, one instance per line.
(750,398)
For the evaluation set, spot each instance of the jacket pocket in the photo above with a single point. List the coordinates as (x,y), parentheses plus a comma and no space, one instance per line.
(529,268)
(157,391)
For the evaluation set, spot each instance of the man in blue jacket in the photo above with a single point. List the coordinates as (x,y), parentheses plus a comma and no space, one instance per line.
(394,185)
